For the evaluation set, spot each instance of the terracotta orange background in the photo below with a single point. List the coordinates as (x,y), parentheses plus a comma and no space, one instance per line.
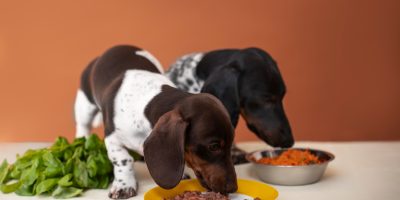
(340,59)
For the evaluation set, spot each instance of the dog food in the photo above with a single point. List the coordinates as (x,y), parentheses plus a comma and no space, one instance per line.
(292,157)
(196,195)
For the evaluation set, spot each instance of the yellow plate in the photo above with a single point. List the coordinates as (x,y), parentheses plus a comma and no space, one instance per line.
(246,187)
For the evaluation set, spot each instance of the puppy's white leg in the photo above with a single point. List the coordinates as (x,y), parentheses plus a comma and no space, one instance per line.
(186,174)
(84,114)
(124,184)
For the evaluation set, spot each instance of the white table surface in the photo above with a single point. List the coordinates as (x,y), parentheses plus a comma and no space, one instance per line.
(360,171)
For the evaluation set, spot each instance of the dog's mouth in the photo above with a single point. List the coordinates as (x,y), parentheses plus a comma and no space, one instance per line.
(277,138)
(263,136)
(203,182)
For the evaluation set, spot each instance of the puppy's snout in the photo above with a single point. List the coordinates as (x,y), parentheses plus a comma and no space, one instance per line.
(287,139)
(281,139)
(224,180)
(231,181)
(225,187)
(287,142)
(231,187)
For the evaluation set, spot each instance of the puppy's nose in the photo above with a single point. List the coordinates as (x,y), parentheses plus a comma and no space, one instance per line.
(287,143)
(231,188)
(286,140)
(231,184)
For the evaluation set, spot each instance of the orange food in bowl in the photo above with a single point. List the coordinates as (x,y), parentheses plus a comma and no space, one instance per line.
(292,157)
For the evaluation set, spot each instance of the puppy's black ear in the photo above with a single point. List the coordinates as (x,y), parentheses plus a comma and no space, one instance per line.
(223,84)
(164,150)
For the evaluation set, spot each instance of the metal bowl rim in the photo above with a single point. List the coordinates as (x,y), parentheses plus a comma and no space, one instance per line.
(330,155)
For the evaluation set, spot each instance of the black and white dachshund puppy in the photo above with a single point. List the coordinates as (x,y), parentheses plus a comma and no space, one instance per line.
(247,81)
(143,111)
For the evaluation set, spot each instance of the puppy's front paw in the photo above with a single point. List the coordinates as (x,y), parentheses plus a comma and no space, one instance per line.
(120,190)
(185,176)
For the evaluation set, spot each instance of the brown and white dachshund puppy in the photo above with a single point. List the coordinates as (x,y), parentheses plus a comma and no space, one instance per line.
(247,81)
(143,111)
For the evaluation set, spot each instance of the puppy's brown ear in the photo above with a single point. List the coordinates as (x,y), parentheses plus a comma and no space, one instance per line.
(164,150)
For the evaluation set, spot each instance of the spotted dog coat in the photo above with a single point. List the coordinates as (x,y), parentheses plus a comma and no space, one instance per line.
(127,127)
(143,111)
(183,73)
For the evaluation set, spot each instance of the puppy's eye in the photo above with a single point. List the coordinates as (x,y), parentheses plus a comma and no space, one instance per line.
(214,146)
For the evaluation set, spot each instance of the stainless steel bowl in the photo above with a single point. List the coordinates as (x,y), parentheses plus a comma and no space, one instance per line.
(286,174)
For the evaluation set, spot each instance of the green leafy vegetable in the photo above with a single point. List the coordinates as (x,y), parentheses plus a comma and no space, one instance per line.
(46,185)
(29,176)
(63,170)
(66,192)
(8,188)
(103,182)
(53,171)
(81,175)
(15,173)
(61,142)
(25,190)
(92,143)
(65,181)
(91,166)
(3,171)
(50,160)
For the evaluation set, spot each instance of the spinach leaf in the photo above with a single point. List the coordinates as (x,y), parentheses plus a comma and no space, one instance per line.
(4,168)
(60,142)
(66,192)
(23,164)
(78,142)
(41,178)
(52,171)
(68,154)
(46,185)
(15,173)
(92,142)
(69,166)
(8,188)
(29,176)
(81,175)
(103,182)
(25,190)
(78,153)
(51,161)
(65,181)
(91,166)
(104,165)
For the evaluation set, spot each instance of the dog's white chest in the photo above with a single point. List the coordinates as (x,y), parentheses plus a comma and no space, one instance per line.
(138,88)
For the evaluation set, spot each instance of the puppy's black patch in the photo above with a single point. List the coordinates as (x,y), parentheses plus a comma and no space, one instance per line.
(189,82)
(124,162)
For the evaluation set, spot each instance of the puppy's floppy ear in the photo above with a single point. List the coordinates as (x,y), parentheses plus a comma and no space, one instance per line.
(164,150)
(223,84)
